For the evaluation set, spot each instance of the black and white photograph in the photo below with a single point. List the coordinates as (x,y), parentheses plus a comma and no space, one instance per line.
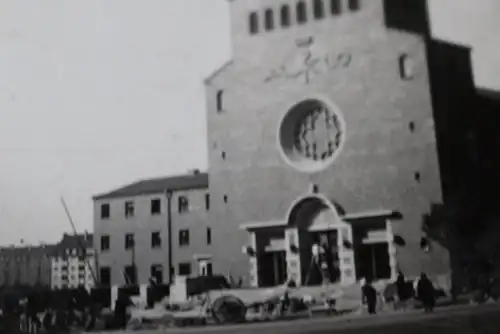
(249,166)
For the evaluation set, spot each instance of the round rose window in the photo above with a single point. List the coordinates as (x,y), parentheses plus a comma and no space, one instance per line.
(310,135)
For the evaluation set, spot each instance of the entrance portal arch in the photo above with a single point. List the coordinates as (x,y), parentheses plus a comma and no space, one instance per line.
(306,210)
(318,239)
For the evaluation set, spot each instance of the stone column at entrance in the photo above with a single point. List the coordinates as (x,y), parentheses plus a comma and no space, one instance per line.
(346,255)
(392,250)
(293,258)
(253,269)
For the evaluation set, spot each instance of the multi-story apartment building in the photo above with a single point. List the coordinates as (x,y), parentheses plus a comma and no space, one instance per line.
(146,227)
(25,266)
(73,262)
(327,126)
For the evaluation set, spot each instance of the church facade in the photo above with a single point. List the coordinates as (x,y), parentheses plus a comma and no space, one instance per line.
(321,133)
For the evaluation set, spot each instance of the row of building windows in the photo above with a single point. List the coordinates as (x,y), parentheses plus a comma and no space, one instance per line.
(64,267)
(156,241)
(301,14)
(129,207)
(130,273)
(64,278)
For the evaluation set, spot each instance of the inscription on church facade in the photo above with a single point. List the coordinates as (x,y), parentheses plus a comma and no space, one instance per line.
(306,65)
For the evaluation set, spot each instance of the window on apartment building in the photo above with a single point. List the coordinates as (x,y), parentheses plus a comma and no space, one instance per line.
(105,276)
(207,202)
(318,9)
(155,240)
(209,236)
(220,100)
(269,19)
(104,243)
(285,16)
(183,204)
(156,206)
(129,241)
(184,268)
(131,274)
(105,211)
(301,12)
(354,5)
(335,7)
(157,273)
(253,23)
(183,237)
(129,209)
(405,67)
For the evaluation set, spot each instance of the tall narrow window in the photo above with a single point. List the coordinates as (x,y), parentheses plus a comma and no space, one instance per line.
(129,209)
(129,241)
(354,5)
(253,23)
(156,206)
(183,204)
(220,100)
(105,211)
(405,67)
(104,243)
(209,236)
(157,273)
(335,7)
(183,238)
(319,9)
(285,16)
(269,19)
(207,202)
(155,240)
(301,12)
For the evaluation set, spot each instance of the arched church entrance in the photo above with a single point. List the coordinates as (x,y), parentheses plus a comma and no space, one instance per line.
(313,223)
(339,249)
(314,245)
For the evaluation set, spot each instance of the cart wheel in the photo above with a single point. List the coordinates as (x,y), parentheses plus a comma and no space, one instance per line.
(228,309)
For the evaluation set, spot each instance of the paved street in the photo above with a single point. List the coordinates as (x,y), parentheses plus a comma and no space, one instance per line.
(456,320)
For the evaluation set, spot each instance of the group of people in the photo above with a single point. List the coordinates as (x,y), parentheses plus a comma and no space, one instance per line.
(37,314)
(422,290)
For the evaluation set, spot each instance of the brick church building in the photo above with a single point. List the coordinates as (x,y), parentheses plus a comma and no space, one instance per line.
(331,125)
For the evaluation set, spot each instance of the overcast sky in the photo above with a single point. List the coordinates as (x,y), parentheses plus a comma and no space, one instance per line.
(95,94)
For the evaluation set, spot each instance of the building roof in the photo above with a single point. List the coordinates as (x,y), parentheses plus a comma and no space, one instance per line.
(71,241)
(195,180)
(26,251)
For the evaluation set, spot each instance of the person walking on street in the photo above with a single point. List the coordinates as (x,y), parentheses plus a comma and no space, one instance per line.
(426,293)
(369,296)
(404,291)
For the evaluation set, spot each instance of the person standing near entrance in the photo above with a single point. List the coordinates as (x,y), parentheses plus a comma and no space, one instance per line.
(369,295)
(426,293)
(404,291)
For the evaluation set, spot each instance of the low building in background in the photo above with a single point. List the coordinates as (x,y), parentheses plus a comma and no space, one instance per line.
(73,262)
(146,227)
(25,265)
